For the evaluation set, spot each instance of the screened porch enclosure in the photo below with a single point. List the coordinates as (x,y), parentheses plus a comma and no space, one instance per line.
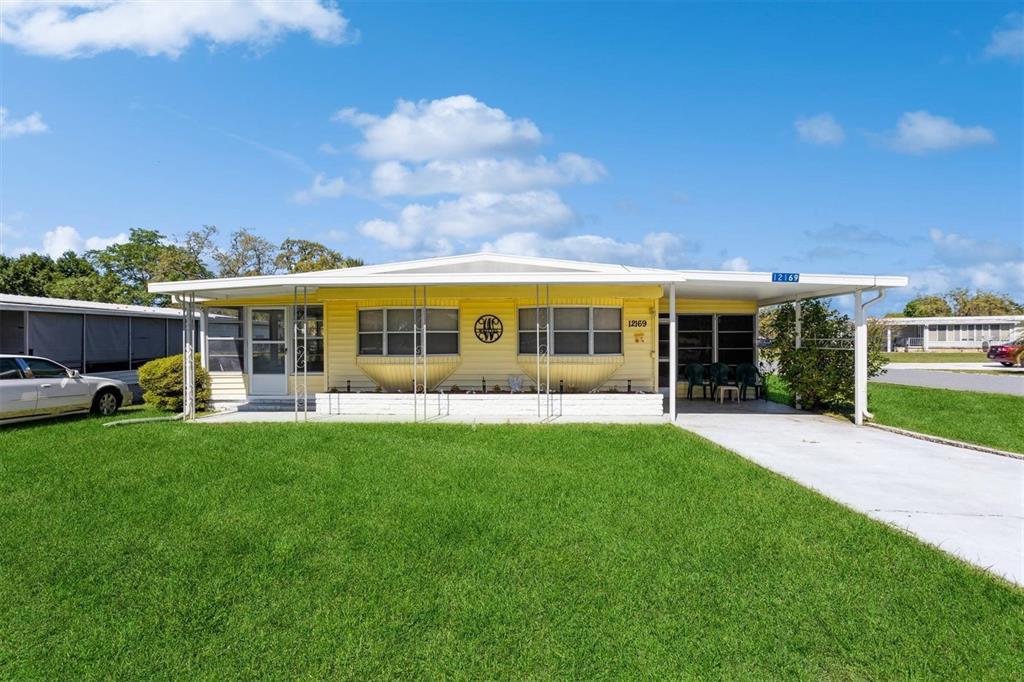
(706,338)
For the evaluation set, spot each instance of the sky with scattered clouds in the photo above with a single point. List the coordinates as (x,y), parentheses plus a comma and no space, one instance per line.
(861,138)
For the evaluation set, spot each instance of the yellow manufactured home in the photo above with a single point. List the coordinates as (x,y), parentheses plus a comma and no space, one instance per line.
(484,325)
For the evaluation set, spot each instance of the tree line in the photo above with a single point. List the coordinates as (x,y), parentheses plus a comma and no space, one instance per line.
(120,272)
(960,303)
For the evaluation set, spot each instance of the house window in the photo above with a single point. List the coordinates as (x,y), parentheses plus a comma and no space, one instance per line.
(225,340)
(575,331)
(313,329)
(397,331)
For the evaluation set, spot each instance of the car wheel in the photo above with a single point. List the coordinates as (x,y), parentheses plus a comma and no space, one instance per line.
(106,402)
(1006,364)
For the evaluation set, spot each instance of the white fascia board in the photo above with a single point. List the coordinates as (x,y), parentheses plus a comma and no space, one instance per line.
(418,279)
(62,305)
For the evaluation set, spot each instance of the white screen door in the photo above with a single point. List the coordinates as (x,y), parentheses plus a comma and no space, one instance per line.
(269,373)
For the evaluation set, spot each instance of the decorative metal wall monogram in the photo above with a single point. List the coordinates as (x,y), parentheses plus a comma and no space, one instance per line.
(488,328)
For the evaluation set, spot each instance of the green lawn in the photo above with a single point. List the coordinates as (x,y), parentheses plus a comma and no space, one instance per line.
(414,551)
(968,356)
(983,418)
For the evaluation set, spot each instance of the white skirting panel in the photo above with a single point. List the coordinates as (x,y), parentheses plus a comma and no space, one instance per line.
(492,406)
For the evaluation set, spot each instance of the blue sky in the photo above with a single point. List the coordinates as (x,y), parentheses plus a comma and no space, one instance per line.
(864,138)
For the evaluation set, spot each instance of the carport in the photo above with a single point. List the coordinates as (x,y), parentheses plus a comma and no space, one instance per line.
(773,288)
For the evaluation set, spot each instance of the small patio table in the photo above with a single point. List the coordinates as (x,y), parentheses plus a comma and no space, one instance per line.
(734,390)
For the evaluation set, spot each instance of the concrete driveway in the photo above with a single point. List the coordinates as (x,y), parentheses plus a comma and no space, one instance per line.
(968,503)
(1010,384)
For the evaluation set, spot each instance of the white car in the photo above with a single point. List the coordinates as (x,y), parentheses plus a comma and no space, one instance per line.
(35,388)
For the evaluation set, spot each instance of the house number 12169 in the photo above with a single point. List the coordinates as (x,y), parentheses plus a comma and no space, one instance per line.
(637,323)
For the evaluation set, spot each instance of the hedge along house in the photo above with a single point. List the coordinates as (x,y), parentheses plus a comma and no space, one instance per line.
(489,334)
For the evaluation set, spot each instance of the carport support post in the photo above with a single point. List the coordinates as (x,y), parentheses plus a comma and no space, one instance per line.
(860,355)
(673,343)
(188,306)
(860,360)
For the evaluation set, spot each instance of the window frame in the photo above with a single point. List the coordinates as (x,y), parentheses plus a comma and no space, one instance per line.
(29,373)
(242,338)
(384,332)
(548,326)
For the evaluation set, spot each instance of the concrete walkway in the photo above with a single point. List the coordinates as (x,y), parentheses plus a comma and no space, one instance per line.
(968,503)
(1012,384)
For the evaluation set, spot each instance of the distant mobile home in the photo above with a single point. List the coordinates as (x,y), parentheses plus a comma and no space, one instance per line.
(950,333)
(108,339)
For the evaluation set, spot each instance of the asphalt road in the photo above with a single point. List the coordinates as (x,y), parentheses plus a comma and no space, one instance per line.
(1012,384)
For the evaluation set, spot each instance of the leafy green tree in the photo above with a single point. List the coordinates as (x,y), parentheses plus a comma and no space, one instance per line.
(187,259)
(133,263)
(982,303)
(301,255)
(927,306)
(246,256)
(26,275)
(821,370)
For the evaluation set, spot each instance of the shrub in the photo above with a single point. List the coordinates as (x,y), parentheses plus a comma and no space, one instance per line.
(162,381)
(821,370)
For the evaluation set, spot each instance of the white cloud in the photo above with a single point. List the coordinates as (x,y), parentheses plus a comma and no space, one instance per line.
(738,263)
(483,175)
(329,149)
(322,188)
(451,128)
(655,249)
(31,124)
(437,228)
(954,248)
(1008,41)
(66,238)
(1005,277)
(77,28)
(919,132)
(822,129)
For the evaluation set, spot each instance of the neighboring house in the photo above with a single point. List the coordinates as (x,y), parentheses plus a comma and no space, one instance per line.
(108,339)
(950,333)
(538,325)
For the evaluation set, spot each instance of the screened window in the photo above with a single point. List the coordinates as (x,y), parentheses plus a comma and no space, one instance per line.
(735,339)
(106,343)
(12,331)
(396,331)
(149,340)
(574,331)
(57,336)
(225,339)
(313,329)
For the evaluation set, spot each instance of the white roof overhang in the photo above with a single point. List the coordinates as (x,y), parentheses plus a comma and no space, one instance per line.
(760,287)
(496,269)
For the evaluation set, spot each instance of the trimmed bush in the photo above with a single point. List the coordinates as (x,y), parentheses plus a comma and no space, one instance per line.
(162,381)
(820,373)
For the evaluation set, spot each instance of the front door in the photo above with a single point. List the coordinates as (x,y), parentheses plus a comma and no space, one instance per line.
(269,373)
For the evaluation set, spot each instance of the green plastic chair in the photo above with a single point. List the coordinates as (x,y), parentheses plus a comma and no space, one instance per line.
(750,377)
(720,376)
(695,377)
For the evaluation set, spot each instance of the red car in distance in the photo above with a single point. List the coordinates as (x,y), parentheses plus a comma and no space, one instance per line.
(1008,354)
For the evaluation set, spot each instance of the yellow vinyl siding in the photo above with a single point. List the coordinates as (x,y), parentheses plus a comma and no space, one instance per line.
(707,306)
(477,361)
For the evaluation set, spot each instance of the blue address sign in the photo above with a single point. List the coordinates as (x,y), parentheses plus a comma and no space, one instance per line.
(785,276)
